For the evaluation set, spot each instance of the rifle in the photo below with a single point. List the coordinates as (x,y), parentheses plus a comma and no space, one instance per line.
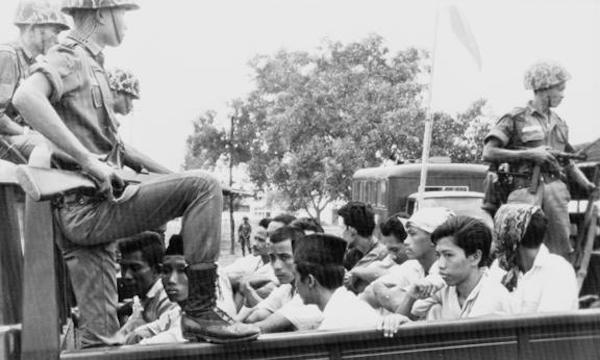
(46,184)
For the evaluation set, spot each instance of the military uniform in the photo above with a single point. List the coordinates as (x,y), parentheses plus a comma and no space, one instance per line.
(81,96)
(15,63)
(526,127)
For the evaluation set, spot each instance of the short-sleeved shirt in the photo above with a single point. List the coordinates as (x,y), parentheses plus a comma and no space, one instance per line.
(15,62)
(302,316)
(550,285)
(488,298)
(527,127)
(277,298)
(377,252)
(346,311)
(81,95)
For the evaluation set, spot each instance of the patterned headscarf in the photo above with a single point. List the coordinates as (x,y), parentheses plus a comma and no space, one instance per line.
(510,224)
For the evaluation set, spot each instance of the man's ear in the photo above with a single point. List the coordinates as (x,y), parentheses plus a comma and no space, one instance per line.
(475,257)
(311,281)
(101,16)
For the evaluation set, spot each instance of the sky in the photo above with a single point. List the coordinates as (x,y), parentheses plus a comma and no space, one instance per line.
(192,55)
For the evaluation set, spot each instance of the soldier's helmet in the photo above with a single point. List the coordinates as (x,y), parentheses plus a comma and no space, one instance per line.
(124,81)
(69,5)
(545,74)
(40,12)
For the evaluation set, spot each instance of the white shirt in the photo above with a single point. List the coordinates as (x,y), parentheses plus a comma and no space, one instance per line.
(345,311)
(550,285)
(277,298)
(404,274)
(303,317)
(165,330)
(488,298)
(249,265)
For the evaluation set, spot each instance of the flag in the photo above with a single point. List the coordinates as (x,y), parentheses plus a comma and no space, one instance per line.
(462,30)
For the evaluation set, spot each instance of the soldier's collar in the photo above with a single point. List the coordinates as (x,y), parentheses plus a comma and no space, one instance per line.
(86,41)
(532,109)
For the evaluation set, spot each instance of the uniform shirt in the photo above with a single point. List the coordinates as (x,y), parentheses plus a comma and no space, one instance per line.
(244,231)
(526,127)
(81,95)
(487,298)
(550,285)
(15,62)
(346,311)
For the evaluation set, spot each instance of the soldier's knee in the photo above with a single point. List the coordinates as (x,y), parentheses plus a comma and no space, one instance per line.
(204,180)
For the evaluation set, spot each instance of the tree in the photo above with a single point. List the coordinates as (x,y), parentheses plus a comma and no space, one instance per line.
(314,118)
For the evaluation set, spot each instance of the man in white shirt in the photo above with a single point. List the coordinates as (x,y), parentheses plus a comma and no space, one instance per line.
(538,280)
(319,274)
(279,311)
(387,292)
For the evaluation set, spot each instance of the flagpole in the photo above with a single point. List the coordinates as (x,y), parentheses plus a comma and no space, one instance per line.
(429,112)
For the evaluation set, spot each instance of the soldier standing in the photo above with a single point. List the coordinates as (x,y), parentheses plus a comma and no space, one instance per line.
(244,232)
(525,138)
(68,99)
(39,24)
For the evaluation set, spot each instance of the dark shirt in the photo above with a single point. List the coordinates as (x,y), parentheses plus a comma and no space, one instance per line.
(81,94)
(244,231)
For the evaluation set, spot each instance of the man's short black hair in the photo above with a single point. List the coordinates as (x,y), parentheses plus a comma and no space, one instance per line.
(469,234)
(286,219)
(329,276)
(285,233)
(534,234)
(360,216)
(264,222)
(149,243)
(307,224)
(393,226)
(175,245)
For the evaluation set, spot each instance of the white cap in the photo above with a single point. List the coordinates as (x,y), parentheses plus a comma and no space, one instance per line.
(428,219)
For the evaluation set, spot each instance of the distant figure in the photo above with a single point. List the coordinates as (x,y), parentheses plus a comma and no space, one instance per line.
(244,232)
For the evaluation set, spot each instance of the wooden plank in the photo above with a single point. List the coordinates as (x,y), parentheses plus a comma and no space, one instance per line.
(40,340)
(11,258)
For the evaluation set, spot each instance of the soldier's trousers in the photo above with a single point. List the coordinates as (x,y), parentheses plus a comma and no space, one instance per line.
(553,198)
(89,225)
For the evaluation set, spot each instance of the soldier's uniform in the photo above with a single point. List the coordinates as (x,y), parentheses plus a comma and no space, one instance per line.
(81,96)
(525,127)
(15,63)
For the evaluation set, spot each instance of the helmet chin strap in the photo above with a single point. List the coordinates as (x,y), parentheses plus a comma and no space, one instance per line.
(117,32)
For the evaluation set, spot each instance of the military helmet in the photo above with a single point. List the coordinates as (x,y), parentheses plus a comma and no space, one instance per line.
(40,12)
(545,74)
(69,5)
(124,81)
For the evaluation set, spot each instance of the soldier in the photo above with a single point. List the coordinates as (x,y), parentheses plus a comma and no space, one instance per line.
(244,232)
(39,24)
(125,88)
(68,99)
(525,138)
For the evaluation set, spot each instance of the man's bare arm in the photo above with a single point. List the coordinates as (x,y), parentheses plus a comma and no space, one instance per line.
(9,127)
(493,151)
(136,159)
(275,323)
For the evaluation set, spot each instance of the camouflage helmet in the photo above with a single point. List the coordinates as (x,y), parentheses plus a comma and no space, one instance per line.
(40,12)
(545,74)
(69,5)
(124,81)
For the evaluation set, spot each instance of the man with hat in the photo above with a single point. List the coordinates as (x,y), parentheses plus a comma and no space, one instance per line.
(319,276)
(525,139)
(68,99)
(421,263)
(244,232)
(39,24)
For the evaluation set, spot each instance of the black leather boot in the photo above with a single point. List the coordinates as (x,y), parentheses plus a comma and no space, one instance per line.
(202,320)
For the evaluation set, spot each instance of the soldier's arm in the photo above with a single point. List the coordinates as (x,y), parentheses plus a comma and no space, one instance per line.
(136,159)
(8,81)
(493,151)
(577,175)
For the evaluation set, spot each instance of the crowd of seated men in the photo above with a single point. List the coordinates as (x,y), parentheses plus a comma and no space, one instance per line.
(432,266)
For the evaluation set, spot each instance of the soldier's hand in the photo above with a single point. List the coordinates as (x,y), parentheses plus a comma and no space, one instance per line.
(543,154)
(105,176)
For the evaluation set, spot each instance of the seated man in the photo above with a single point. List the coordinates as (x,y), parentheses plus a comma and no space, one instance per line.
(463,246)
(252,278)
(388,293)
(538,280)
(319,275)
(140,268)
(167,328)
(283,309)
(359,222)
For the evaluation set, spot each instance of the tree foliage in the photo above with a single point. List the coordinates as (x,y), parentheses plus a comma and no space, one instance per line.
(315,118)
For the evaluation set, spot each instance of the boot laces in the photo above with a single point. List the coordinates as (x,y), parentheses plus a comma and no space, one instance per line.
(223,315)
